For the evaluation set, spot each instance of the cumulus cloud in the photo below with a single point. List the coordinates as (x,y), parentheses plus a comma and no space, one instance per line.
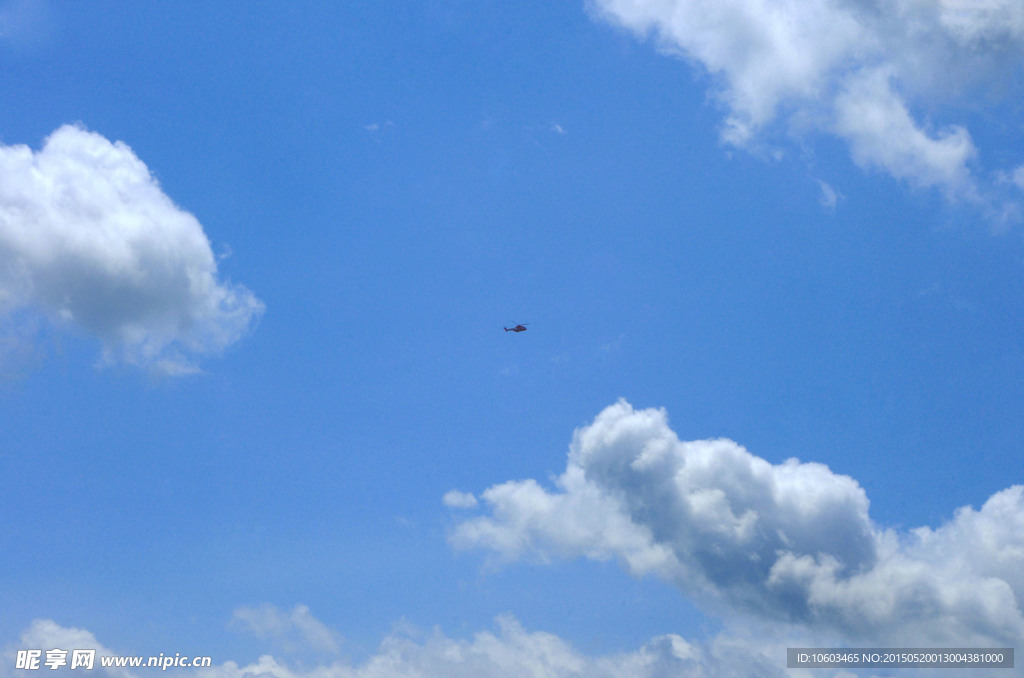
(788,543)
(852,68)
(294,630)
(88,239)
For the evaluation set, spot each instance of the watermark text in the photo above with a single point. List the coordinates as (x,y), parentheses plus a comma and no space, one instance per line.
(56,658)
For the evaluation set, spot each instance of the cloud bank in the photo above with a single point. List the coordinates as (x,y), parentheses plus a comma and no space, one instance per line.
(88,239)
(789,544)
(786,555)
(853,68)
(509,652)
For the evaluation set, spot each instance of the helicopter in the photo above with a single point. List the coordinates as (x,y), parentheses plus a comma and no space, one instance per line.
(518,328)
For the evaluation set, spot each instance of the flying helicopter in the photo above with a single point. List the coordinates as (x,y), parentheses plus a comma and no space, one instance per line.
(518,328)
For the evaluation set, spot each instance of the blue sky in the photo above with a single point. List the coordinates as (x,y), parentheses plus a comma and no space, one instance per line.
(256,398)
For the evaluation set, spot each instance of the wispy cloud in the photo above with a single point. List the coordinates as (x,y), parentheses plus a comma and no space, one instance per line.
(850,68)
(457,499)
(88,239)
(378,126)
(293,630)
(829,196)
(28,26)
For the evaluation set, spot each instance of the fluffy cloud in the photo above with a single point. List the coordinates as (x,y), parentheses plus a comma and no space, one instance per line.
(295,629)
(790,543)
(850,67)
(880,131)
(88,238)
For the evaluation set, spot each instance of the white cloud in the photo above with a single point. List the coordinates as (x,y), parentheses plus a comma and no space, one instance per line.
(46,634)
(851,67)
(509,651)
(293,630)
(875,122)
(829,196)
(972,21)
(1017,177)
(88,239)
(790,543)
(457,499)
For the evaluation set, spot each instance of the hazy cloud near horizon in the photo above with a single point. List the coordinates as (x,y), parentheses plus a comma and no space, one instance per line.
(510,651)
(89,240)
